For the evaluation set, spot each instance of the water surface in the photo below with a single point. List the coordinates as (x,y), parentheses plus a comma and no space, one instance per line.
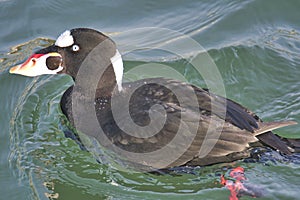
(255,45)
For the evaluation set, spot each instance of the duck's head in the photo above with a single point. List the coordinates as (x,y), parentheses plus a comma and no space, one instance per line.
(68,54)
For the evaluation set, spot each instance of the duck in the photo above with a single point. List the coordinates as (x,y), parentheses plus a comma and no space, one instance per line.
(155,122)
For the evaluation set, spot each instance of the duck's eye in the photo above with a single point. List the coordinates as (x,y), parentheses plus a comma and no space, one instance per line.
(75,47)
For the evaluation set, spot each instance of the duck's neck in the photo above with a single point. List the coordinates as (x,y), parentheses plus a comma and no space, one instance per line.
(112,76)
(107,83)
(110,80)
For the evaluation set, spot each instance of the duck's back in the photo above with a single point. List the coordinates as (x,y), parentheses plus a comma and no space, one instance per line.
(196,127)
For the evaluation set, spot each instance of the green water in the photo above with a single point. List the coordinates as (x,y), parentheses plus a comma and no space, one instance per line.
(255,45)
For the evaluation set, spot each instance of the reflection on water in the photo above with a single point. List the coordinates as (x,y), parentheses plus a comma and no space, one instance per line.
(257,56)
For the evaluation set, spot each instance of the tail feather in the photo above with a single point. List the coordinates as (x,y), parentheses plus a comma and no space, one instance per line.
(269,126)
(294,144)
(265,135)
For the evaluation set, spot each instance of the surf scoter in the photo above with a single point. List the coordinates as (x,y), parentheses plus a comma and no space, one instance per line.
(193,128)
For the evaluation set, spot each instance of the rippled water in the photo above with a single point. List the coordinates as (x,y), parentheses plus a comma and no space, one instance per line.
(255,44)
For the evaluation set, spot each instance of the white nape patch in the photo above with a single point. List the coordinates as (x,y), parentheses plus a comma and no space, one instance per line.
(117,64)
(65,39)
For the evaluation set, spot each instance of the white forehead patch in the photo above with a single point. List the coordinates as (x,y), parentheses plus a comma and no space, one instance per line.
(65,39)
